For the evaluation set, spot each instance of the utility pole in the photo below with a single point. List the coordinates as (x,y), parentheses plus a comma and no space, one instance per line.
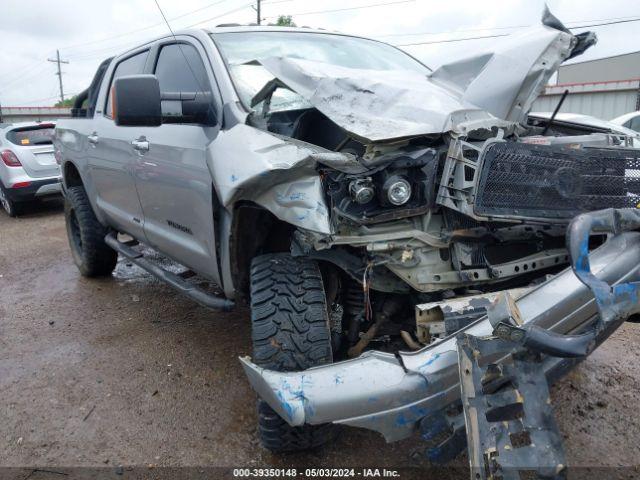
(58,61)
(257,9)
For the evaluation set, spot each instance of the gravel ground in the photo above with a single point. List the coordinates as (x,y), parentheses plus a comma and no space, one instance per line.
(124,371)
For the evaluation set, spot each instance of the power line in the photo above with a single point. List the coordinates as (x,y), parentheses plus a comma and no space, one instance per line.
(451,40)
(221,15)
(300,14)
(413,34)
(603,24)
(496,28)
(99,52)
(504,34)
(68,47)
(20,79)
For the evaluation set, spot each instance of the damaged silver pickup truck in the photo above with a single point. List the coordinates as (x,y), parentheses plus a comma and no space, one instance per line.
(391,225)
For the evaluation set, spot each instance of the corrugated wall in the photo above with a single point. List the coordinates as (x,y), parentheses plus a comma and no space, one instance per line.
(604,105)
(602,69)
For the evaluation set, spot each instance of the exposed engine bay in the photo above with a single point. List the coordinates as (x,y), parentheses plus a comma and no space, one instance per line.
(462,216)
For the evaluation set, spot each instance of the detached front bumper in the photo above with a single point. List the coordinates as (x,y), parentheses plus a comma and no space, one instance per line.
(391,394)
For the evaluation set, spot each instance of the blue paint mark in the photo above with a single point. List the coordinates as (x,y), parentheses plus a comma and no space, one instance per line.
(305,381)
(321,208)
(297,196)
(302,217)
(372,399)
(286,405)
(419,412)
(234,178)
(402,421)
(430,361)
(338,379)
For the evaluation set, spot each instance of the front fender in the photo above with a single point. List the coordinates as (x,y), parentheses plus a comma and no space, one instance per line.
(277,173)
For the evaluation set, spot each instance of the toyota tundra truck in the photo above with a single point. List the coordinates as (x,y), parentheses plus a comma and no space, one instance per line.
(390,225)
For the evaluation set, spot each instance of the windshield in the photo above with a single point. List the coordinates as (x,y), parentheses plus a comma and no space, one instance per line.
(239,48)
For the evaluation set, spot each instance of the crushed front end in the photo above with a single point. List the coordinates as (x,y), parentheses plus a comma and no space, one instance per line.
(428,222)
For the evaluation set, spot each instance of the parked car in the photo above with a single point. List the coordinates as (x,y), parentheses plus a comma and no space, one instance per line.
(28,170)
(629,120)
(597,124)
(356,199)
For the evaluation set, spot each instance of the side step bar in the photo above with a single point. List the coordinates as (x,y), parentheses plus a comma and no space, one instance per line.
(203,298)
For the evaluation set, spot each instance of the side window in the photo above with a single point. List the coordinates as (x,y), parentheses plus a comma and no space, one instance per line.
(130,66)
(635,124)
(180,69)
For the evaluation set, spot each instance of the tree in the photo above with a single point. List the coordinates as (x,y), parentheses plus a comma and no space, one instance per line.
(67,103)
(285,21)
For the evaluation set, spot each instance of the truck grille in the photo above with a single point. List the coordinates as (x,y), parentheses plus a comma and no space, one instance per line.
(540,181)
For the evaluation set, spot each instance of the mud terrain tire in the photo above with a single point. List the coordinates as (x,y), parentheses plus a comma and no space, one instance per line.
(91,254)
(290,331)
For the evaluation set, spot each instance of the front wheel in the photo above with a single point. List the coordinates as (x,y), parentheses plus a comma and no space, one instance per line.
(290,331)
(91,254)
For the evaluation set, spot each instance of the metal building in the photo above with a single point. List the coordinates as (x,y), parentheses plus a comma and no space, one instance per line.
(605,88)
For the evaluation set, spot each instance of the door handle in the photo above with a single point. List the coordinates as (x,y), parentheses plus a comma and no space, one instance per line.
(93,138)
(141,145)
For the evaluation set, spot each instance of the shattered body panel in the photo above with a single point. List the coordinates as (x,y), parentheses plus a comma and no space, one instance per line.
(390,394)
(277,173)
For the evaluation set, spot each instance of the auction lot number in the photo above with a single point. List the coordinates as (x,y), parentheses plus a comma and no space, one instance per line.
(315,473)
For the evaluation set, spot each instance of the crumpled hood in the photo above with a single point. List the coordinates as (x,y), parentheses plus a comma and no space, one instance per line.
(374,106)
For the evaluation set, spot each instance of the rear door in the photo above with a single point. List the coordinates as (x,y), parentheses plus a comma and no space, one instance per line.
(172,176)
(33,145)
(111,156)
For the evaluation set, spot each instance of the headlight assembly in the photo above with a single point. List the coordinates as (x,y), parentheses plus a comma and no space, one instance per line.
(396,190)
(362,190)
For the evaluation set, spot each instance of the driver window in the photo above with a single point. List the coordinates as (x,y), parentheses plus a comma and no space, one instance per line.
(180,69)
(133,65)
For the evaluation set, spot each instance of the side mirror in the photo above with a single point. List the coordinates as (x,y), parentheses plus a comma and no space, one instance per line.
(136,101)
(188,107)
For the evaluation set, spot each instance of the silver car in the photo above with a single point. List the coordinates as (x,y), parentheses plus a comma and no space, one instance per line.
(28,169)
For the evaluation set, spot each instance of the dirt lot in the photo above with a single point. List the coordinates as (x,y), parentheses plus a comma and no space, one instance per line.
(124,371)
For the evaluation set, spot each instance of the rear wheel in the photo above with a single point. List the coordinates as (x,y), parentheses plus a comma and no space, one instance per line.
(8,205)
(91,254)
(290,331)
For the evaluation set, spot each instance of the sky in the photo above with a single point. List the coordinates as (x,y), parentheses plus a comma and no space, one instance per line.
(87,31)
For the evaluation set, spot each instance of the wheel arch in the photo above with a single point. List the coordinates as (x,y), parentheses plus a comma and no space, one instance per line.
(254,231)
(71,175)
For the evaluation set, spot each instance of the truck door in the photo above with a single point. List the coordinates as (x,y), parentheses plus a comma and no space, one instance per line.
(172,177)
(111,157)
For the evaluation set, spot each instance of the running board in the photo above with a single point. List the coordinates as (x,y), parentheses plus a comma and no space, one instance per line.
(198,295)
(509,420)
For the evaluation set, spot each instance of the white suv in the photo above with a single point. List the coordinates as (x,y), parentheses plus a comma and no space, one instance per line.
(28,168)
